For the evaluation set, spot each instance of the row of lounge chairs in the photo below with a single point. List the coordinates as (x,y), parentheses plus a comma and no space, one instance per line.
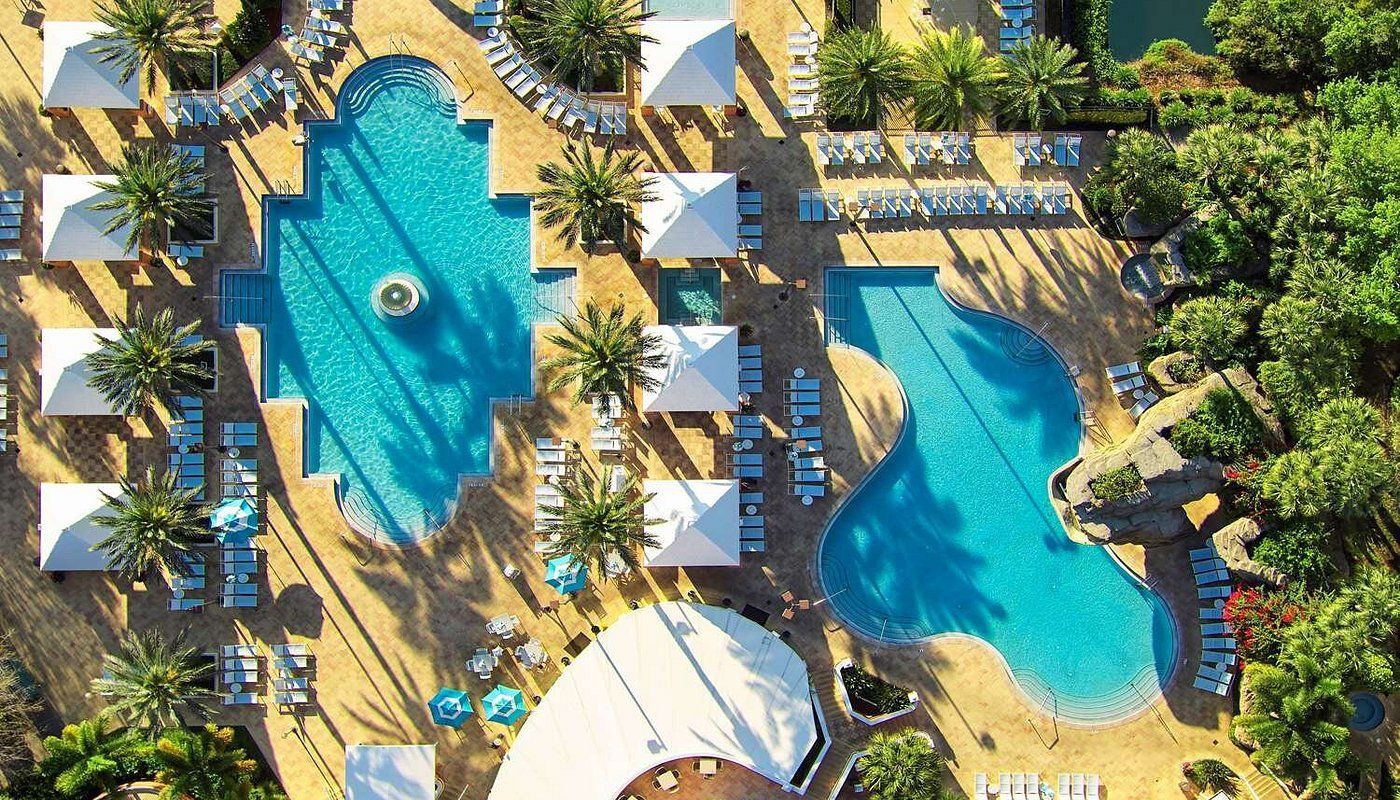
(184,251)
(807,474)
(4,393)
(861,147)
(1016,26)
(606,436)
(750,361)
(488,13)
(748,429)
(11,215)
(950,148)
(1128,381)
(258,89)
(750,232)
(244,674)
(802,73)
(558,104)
(1217,645)
(949,199)
(818,205)
(320,33)
(1031,150)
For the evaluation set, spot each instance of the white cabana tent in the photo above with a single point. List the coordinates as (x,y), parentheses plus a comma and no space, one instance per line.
(694,215)
(699,524)
(665,682)
(64,374)
(701,371)
(390,772)
(690,63)
(66,530)
(72,229)
(74,76)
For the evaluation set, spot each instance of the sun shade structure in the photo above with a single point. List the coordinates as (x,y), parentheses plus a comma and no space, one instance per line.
(63,383)
(74,76)
(690,63)
(390,772)
(72,229)
(693,215)
(450,707)
(67,532)
(699,523)
(666,682)
(701,371)
(566,574)
(504,705)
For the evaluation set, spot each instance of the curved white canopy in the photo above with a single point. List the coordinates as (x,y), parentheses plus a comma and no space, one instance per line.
(699,524)
(67,533)
(691,63)
(701,371)
(63,384)
(668,681)
(72,229)
(74,76)
(693,215)
(390,772)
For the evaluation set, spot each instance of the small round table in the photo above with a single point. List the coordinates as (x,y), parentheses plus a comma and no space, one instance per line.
(737,446)
(233,452)
(242,577)
(183,261)
(1138,394)
(798,420)
(235,687)
(747,444)
(806,499)
(277,72)
(799,373)
(751,509)
(178,593)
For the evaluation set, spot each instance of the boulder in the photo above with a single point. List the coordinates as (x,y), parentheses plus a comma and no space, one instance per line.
(1160,371)
(1231,541)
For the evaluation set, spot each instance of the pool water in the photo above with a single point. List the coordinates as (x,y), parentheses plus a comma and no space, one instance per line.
(953,533)
(1135,24)
(399,409)
(690,9)
(689,296)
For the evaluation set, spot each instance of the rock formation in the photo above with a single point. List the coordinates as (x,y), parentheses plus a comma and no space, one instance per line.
(1230,542)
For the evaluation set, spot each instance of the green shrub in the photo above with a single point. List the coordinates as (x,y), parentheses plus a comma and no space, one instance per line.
(1299,548)
(1107,116)
(1224,428)
(1155,346)
(1214,775)
(1187,370)
(246,36)
(1117,483)
(875,694)
(1219,246)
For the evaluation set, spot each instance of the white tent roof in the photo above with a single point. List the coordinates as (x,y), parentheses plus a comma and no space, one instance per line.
(390,772)
(74,77)
(694,215)
(72,230)
(665,682)
(699,523)
(66,530)
(701,371)
(63,382)
(691,63)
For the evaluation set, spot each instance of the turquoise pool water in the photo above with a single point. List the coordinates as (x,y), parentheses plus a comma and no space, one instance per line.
(953,533)
(690,9)
(399,410)
(689,296)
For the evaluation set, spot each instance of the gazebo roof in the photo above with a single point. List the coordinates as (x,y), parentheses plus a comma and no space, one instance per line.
(67,532)
(693,215)
(73,231)
(701,371)
(390,772)
(74,76)
(63,383)
(699,524)
(690,63)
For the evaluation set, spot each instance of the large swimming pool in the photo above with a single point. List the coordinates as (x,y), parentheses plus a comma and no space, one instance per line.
(953,533)
(399,410)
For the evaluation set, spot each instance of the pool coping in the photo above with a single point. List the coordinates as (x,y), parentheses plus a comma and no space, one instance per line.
(814,564)
(464,479)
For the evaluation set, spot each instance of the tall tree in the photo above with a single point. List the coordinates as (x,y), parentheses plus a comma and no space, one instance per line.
(900,765)
(155,187)
(88,756)
(596,522)
(1210,327)
(592,198)
(1298,718)
(583,40)
(860,73)
(148,34)
(953,78)
(150,363)
(1140,175)
(152,524)
(204,764)
(604,354)
(152,678)
(1043,81)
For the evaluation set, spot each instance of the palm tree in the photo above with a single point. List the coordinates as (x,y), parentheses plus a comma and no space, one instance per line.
(604,354)
(153,525)
(595,522)
(147,33)
(900,766)
(1042,80)
(860,73)
(592,198)
(953,78)
(155,187)
(88,756)
(152,678)
(204,764)
(1298,718)
(150,363)
(583,39)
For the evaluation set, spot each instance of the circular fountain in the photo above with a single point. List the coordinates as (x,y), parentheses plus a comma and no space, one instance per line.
(397,296)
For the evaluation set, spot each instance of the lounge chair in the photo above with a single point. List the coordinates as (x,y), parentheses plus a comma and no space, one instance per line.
(802,397)
(318,37)
(1120,371)
(805,206)
(1204,553)
(837,149)
(1213,592)
(326,5)
(241,699)
(1211,673)
(1142,405)
(1091,787)
(747,433)
(801,70)
(801,410)
(1218,657)
(1206,685)
(1208,564)
(809,446)
(1226,643)
(1211,613)
(742,471)
(505,51)
(317,22)
(807,489)
(979,786)
(1076,786)
(1064,786)
(746,459)
(802,384)
(809,432)
(815,462)
(305,53)
(1216,629)
(508,66)
(832,205)
(1212,576)
(1128,384)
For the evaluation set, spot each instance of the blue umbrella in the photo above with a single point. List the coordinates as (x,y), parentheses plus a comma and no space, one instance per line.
(450,707)
(235,518)
(504,705)
(565,574)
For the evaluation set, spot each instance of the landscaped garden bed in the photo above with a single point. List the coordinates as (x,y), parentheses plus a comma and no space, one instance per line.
(872,699)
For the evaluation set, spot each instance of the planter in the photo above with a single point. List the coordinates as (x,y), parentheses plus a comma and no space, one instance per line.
(869,720)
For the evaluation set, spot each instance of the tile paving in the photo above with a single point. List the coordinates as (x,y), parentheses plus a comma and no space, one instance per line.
(390,627)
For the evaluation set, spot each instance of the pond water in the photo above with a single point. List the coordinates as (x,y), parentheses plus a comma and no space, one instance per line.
(1134,24)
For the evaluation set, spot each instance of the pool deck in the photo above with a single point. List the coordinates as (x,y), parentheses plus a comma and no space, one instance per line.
(389,628)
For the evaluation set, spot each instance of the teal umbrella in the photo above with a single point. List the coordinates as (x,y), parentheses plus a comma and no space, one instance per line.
(504,705)
(234,520)
(565,574)
(450,707)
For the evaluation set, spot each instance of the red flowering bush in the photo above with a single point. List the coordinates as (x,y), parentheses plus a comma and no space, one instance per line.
(1259,619)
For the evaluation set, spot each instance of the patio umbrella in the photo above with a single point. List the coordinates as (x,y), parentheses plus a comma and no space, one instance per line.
(565,574)
(504,705)
(234,519)
(450,707)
